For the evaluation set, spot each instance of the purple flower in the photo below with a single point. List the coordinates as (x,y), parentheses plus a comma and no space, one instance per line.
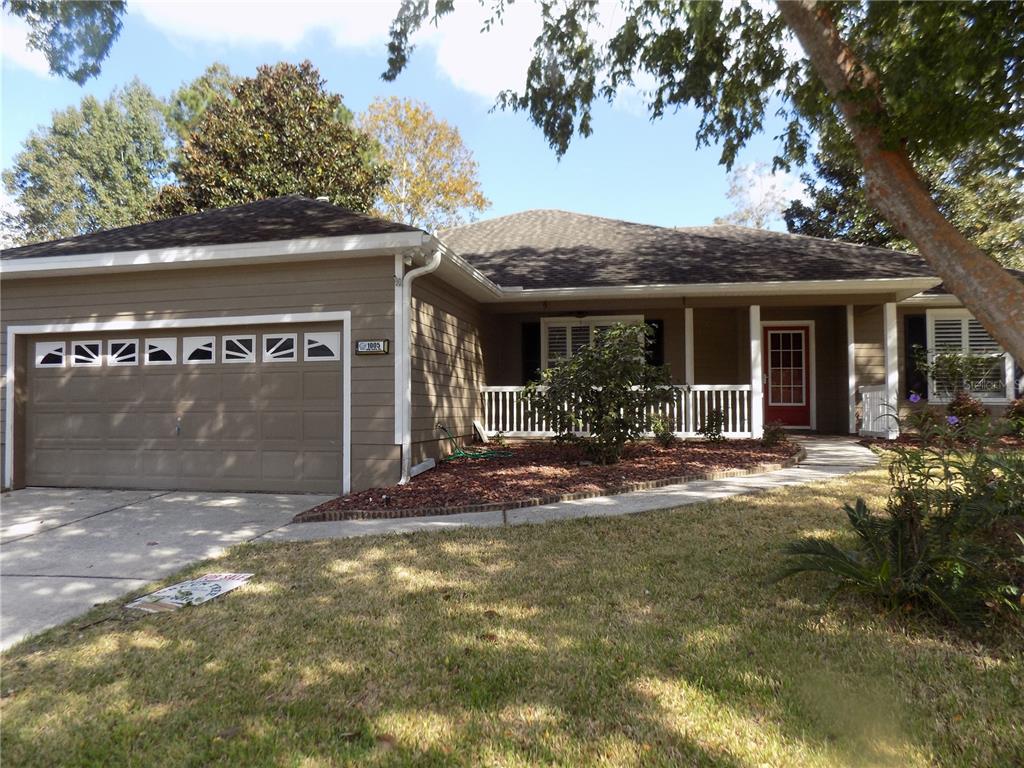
(952,420)
(914,397)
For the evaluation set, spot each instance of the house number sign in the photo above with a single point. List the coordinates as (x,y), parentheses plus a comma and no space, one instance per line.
(372,347)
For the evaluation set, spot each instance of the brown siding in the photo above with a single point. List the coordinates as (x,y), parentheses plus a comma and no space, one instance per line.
(869,343)
(364,286)
(447,365)
(721,345)
(503,334)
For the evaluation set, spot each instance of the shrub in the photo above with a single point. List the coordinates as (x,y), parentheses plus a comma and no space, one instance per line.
(774,434)
(662,430)
(602,397)
(965,408)
(714,423)
(1015,415)
(938,546)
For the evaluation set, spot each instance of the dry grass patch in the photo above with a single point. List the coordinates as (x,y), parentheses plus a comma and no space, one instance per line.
(648,640)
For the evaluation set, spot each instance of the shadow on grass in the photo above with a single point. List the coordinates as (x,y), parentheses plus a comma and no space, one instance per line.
(650,640)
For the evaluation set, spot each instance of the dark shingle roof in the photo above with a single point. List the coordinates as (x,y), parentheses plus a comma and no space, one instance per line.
(279,218)
(557,249)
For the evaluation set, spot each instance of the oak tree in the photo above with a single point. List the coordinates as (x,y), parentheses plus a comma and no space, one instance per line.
(96,166)
(895,81)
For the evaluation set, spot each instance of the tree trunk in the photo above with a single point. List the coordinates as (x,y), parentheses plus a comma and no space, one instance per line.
(993,295)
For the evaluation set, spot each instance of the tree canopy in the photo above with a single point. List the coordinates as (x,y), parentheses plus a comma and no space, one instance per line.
(280,133)
(95,167)
(189,102)
(434,180)
(74,36)
(986,205)
(872,77)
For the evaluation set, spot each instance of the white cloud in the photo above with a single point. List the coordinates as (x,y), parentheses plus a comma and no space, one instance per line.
(481,63)
(14,47)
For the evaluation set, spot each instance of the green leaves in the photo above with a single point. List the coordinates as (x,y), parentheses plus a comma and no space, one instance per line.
(280,132)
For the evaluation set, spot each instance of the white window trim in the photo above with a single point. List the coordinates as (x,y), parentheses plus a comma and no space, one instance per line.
(39,357)
(314,334)
(112,326)
(574,322)
(266,356)
(117,364)
(91,364)
(190,344)
(172,349)
(237,337)
(931,315)
(804,367)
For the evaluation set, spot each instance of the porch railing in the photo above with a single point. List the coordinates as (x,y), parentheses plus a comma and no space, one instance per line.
(506,410)
(877,418)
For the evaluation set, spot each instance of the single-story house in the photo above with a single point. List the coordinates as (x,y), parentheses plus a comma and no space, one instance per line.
(291,345)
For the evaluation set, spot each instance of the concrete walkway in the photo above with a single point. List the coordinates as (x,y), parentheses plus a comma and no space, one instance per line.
(827,458)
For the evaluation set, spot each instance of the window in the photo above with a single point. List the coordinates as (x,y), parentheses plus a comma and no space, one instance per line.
(954,332)
(279,347)
(198,349)
(49,354)
(86,354)
(123,352)
(238,349)
(325,345)
(563,337)
(161,351)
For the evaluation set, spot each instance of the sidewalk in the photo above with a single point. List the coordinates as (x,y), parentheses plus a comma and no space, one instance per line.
(827,457)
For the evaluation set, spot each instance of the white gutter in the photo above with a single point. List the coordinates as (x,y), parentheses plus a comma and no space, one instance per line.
(404,354)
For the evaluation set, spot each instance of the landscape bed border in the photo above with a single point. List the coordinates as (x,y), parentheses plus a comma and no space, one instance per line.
(317,515)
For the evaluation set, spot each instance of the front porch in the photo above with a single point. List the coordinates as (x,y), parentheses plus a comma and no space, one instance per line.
(825,368)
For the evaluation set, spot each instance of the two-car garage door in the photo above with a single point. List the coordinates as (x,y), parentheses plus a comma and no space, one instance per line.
(225,408)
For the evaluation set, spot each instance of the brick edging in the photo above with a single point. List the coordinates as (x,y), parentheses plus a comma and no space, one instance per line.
(336,515)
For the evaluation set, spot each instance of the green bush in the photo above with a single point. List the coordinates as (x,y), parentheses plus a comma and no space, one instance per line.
(1015,415)
(941,544)
(966,408)
(713,425)
(602,397)
(662,430)
(774,434)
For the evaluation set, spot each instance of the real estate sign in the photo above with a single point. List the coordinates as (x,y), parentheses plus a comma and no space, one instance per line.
(192,592)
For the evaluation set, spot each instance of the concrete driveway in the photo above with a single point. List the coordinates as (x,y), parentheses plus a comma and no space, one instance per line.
(63,550)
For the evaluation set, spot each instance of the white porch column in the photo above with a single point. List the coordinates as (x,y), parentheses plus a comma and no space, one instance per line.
(756,372)
(688,341)
(892,370)
(851,371)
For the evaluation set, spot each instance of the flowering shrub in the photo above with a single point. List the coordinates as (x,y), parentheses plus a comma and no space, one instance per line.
(964,408)
(1015,415)
(942,544)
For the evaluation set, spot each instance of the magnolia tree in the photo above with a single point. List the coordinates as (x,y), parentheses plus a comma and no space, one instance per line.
(603,396)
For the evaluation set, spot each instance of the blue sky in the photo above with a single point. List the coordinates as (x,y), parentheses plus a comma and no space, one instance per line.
(631,168)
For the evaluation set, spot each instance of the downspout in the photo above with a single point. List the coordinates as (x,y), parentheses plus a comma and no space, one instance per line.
(405,353)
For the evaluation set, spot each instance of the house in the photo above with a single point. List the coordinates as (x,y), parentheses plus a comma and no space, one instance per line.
(290,345)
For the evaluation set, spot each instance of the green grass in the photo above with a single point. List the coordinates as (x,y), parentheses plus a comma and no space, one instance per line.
(650,640)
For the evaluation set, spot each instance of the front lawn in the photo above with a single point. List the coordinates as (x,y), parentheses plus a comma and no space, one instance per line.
(647,640)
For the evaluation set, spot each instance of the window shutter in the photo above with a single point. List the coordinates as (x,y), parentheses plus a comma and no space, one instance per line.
(949,335)
(580,337)
(980,341)
(558,344)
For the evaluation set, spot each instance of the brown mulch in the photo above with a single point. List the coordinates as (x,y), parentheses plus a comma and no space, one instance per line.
(544,469)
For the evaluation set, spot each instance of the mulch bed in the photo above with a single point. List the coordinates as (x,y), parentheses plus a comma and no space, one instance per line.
(1003,443)
(540,472)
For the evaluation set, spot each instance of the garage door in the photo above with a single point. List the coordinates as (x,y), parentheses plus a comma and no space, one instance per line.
(234,409)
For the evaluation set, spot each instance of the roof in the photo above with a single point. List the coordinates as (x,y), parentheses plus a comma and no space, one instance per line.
(279,218)
(558,249)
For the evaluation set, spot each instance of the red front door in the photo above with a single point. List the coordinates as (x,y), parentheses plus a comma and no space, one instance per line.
(787,375)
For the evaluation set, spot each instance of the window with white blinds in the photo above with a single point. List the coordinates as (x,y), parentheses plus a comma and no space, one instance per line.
(954,331)
(563,337)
